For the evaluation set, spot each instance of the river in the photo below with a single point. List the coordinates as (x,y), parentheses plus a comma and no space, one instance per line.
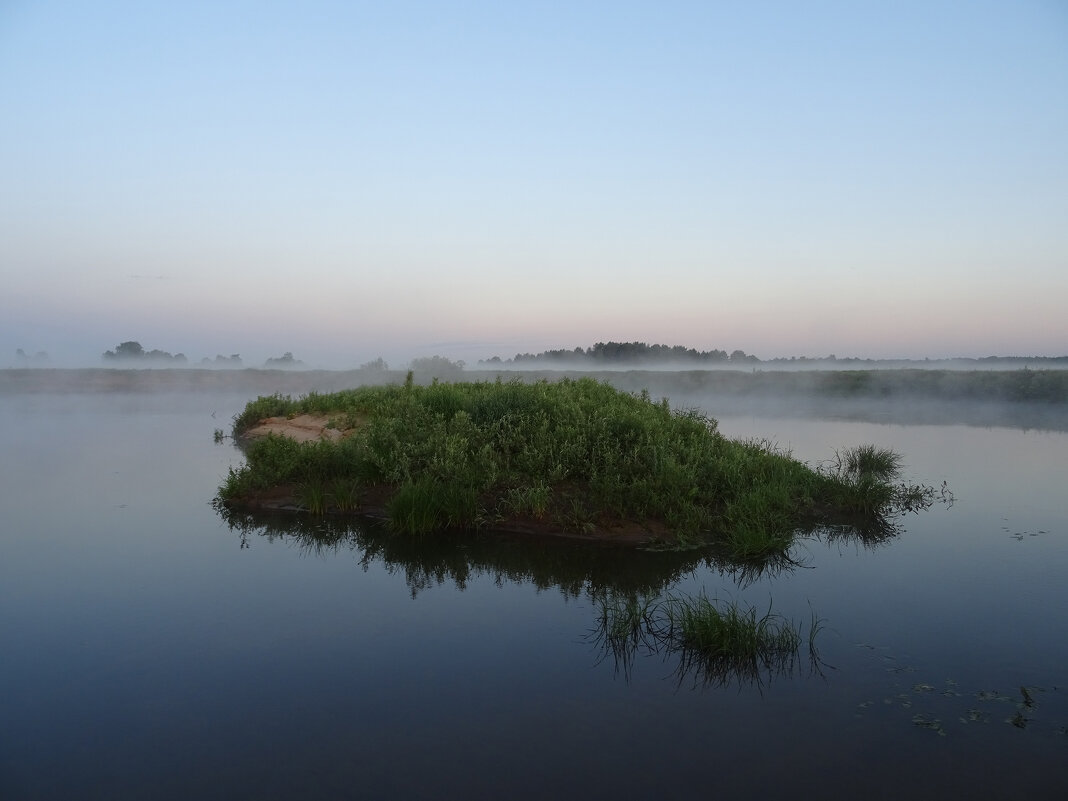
(151,649)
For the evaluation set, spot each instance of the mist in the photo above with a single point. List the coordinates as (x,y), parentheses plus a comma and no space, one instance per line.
(300,352)
(1018,398)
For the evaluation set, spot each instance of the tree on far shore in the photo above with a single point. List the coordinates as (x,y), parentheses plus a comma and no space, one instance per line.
(132,351)
(126,350)
(376,365)
(438,365)
(285,360)
(40,357)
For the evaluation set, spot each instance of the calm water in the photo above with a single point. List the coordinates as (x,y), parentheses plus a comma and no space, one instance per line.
(149,650)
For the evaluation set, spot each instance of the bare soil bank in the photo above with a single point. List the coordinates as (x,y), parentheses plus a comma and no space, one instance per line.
(302,428)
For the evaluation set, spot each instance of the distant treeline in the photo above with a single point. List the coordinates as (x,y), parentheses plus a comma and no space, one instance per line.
(23,359)
(624,352)
(132,352)
(285,360)
(627,353)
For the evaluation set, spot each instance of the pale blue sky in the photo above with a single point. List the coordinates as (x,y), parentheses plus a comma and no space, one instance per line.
(348,180)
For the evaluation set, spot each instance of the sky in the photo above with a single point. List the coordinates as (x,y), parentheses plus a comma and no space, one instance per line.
(349,180)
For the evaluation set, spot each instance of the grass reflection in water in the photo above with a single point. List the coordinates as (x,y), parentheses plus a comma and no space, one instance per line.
(638,611)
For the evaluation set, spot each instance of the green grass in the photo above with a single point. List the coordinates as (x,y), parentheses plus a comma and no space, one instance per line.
(346,494)
(426,504)
(312,497)
(533,500)
(716,642)
(576,454)
(731,638)
(867,462)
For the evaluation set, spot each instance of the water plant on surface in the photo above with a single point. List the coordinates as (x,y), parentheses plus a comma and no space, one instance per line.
(730,633)
(576,455)
(868,462)
(715,642)
(943,705)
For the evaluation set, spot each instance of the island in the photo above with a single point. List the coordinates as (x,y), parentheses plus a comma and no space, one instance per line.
(574,457)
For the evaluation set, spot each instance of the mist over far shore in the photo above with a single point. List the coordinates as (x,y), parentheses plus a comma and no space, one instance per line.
(1018,398)
(602,356)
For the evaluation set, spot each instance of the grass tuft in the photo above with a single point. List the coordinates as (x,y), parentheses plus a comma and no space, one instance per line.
(346,493)
(426,505)
(868,463)
(716,642)
(312,497)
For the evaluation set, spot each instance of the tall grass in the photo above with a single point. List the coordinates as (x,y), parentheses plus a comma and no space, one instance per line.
(312,497)
(346,494)
(715,642)
(868,462)
(726,639)
(425,504)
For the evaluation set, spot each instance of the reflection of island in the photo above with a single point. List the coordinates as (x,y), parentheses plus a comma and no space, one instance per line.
(637,615)
(574,568)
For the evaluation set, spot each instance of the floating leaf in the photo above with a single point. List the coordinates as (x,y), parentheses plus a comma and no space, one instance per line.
(1018,720)
(928,722)
(1028,700)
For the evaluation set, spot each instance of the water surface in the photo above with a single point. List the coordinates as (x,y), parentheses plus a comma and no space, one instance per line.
(148,649)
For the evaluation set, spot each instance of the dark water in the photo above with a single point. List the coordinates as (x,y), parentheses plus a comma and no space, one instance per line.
(149,650)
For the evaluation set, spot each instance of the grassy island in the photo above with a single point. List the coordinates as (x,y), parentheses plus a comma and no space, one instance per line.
(573,457)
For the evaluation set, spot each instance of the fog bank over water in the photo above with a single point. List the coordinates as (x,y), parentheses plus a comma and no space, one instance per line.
(1022,398)
(989,363)
(472,357)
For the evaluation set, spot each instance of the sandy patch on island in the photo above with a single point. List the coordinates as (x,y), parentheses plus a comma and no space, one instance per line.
(302,428)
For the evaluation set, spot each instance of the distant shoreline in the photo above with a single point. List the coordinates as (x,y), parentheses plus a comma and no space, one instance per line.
(1029,399)
(1014,385)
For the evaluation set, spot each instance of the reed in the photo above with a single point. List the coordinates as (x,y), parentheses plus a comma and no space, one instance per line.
(867,462)
(715,642)
(426,505)
(312,497)
(346,493)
